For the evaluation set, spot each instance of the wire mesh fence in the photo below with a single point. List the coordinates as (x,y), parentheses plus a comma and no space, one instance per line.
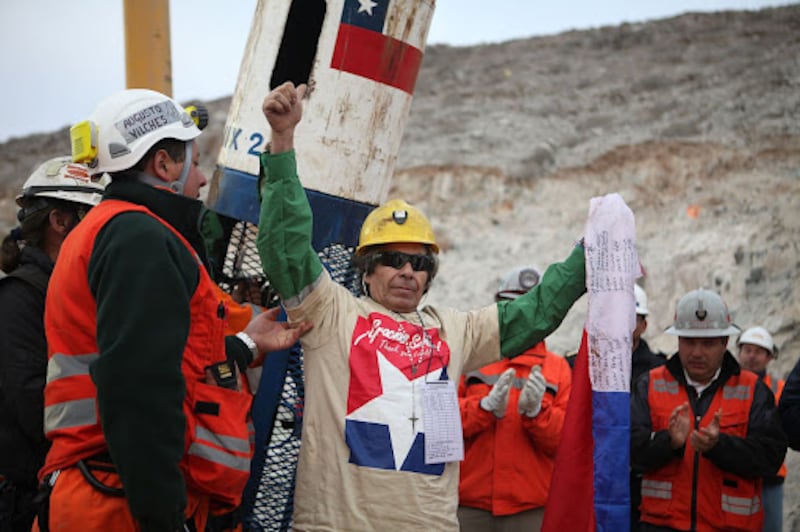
(273,503)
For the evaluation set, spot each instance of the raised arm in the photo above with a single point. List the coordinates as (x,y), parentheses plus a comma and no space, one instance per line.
(285,223)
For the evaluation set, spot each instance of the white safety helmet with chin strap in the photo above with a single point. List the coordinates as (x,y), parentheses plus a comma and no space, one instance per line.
(124,126)
(517,282)
(702,314)
(758,336)
(59,178)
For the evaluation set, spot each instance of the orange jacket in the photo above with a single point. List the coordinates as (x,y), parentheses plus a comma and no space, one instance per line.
(723,500)
(217,447)
(776,385)
(508,462)
(72,495)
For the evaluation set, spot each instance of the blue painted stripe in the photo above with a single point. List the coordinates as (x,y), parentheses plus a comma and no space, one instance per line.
(611,434)
(237,195)
(336,220)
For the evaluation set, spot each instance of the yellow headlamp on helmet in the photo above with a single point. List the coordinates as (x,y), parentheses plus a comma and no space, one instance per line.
(394,222)
(83,139)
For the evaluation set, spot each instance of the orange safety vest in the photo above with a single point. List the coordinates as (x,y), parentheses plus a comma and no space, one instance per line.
(217,446)
(723,500)
(776,385)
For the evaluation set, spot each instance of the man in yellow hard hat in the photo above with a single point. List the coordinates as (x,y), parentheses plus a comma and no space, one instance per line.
(379,368)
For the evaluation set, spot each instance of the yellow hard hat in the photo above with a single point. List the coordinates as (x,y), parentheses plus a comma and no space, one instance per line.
(393,222)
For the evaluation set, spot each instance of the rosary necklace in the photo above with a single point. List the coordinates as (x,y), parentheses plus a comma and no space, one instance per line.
(429,344)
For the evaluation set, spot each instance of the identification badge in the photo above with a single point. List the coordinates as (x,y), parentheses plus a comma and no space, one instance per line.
(444,439)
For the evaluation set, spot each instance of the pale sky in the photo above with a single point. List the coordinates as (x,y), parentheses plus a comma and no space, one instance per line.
(60,58)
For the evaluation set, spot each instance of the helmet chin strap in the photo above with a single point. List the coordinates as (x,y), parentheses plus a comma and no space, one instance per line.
(178,185)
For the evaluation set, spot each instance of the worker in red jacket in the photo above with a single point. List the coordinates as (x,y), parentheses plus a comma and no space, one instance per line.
(512,413)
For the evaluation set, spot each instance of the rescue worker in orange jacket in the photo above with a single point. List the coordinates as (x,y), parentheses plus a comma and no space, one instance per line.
(703,431)
(512,412)
(756,351)
(143,402)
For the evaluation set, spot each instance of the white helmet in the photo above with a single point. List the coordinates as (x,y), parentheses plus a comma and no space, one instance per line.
(758,336)
(702,314)
(641,300)
(60,178)
(517,282)
(124,126)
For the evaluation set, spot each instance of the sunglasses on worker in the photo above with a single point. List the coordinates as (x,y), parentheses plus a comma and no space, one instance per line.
(397,259)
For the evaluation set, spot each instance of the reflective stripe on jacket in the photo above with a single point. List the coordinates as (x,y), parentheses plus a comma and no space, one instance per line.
(720,500)
(217,448)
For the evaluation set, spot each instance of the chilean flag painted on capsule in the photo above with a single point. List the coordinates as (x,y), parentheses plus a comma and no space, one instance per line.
(366,46)
(389,364)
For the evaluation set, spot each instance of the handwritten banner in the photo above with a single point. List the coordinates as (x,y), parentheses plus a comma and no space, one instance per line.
(612,267)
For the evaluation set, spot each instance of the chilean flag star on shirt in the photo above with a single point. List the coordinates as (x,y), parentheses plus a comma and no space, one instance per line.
(389,364)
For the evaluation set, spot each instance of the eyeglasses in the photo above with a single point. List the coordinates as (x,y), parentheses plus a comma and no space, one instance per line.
(397,259)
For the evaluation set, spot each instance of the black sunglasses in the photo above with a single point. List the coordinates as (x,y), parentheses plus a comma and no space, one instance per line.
(396,260)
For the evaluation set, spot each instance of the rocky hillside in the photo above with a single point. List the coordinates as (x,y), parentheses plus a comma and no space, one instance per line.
(694,120)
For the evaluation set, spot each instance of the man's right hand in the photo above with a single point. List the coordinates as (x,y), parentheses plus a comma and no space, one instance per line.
(283,109)
(680,424)
(497,400)
(272,335)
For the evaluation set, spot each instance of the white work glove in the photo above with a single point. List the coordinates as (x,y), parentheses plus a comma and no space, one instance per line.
(530,399)
(497,400)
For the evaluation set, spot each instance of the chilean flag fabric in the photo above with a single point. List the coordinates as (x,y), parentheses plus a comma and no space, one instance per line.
(590,489)
(390,362)
(366,47)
